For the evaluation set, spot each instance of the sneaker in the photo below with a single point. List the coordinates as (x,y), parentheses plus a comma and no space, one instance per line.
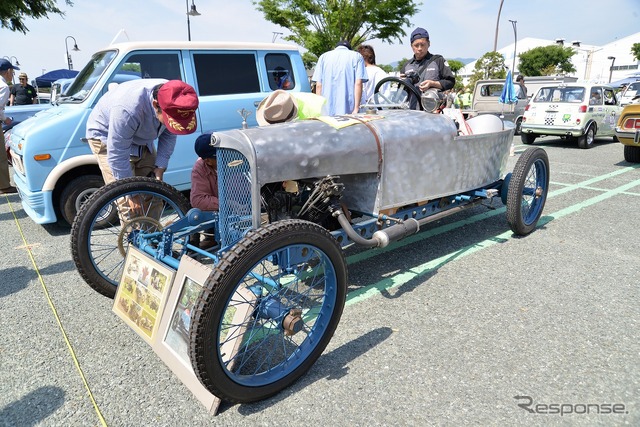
(9,190)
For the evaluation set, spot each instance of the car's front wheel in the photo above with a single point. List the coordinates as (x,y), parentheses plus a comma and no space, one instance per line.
(77,192)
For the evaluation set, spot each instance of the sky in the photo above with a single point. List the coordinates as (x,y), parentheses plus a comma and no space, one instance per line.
(457,28)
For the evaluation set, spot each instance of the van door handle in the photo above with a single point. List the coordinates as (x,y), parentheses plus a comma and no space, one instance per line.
(256,103)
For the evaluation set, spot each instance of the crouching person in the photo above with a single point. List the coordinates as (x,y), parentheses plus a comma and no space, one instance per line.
(204,186)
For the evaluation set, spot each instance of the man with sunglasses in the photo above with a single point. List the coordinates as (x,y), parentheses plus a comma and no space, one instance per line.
(23,93)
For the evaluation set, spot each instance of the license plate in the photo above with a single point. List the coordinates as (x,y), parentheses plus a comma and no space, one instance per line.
(16,161)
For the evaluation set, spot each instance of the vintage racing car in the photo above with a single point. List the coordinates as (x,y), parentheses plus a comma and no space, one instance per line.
(292,196)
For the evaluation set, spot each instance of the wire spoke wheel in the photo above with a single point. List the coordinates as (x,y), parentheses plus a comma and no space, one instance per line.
(268,311)
(527,192)
(99,246)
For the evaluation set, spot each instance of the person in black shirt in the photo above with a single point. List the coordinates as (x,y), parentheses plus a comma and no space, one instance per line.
(433,70)
(23,93)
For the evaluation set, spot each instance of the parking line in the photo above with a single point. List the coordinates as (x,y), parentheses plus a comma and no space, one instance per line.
(373,289)
(57,317)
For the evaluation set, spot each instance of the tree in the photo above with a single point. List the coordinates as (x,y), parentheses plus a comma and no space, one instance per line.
(489,66)
(455,65)
(14,12)
(635,51)
(318,25)
(546,61)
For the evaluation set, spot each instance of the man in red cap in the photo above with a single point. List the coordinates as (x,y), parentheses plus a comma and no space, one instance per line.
(125,122)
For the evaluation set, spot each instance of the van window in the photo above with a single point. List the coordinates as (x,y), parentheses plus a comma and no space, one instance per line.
(226,73)
(279,71)
(491,90)
(149,66)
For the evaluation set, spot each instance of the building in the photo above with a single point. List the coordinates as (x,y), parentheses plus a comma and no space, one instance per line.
(597,64)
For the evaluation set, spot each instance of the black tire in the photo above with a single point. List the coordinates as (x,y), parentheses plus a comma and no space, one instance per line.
(632,154)
(528,138)
(78,191)
(98,248)
(311,275)
(518,129)
(400,92)
(527,192)
(586,141)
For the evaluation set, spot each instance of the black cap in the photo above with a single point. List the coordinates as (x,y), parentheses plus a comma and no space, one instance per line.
(344,43)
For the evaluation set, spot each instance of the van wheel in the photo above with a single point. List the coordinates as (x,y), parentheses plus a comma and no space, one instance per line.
(586,141)
(528,138)
(77,192)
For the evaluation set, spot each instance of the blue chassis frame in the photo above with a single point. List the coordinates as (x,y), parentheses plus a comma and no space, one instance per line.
(159,244)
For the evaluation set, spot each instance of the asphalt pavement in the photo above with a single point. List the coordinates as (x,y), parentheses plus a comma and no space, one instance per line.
(461,324)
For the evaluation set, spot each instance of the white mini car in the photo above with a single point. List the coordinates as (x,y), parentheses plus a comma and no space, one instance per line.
(576,111)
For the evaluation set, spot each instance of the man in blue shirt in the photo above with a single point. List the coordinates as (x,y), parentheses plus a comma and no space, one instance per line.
(127,119)
(339,75)
(125,122)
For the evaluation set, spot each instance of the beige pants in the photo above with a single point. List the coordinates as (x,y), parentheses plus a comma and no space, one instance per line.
(140,166)
(5,182)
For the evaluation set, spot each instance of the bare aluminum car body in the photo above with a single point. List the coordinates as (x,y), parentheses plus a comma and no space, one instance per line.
(399,158)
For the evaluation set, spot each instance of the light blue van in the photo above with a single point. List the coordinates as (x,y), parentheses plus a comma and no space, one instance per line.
(55,170)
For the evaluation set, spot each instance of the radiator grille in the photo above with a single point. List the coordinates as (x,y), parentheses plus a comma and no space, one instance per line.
(234,188)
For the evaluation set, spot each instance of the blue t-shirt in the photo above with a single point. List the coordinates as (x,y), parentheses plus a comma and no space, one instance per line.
(337,71)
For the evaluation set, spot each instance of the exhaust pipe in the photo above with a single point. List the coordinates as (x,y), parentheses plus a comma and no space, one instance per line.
(382,238)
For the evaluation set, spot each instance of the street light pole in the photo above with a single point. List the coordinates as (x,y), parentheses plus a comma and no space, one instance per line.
(75,48)
(495,42)
(515,45)
(613,61)
(192,12)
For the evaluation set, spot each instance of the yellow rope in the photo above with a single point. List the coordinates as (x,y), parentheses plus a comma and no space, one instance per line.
(55,314)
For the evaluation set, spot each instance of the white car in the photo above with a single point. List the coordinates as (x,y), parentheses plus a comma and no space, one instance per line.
(575,111)
(631,91)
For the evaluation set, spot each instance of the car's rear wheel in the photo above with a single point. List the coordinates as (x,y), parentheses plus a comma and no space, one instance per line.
(632,154)
(586,141)
(528,138)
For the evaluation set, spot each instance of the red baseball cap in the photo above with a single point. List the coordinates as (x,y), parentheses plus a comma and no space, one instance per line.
(178,102)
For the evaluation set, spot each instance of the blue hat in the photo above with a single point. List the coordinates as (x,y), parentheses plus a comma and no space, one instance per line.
(6,65)
(344,43)
(419,33)
(203,147)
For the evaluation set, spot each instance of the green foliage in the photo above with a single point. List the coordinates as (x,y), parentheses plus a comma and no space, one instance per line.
(401,63)
(489,66)
(387,68)
(318,25)
(547,61)
(135,67)
(455,65)
(14,12)
(635,51)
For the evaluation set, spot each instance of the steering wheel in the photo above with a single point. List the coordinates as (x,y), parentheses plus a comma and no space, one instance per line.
(396,93)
